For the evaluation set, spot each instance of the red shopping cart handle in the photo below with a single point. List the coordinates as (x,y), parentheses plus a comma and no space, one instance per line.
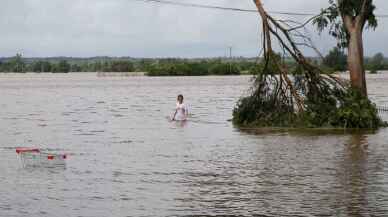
(23,150)
(56,156)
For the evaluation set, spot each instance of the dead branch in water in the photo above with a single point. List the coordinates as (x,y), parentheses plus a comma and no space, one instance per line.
(311,81)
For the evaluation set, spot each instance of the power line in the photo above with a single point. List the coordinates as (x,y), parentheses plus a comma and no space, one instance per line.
(194,5)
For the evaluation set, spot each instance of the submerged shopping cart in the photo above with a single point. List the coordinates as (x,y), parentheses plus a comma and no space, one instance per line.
(33,157)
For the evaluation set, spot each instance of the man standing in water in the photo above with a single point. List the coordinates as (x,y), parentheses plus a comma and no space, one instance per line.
(181,111)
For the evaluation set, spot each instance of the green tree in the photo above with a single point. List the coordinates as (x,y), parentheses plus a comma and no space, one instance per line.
(97,66)
(122,66)
(41,66)
(376,63)
(62,67)
(17,64)
(346,20)
(224,69)
(336,59)
(77,68)
(144,65)
(200,68)
(106,67)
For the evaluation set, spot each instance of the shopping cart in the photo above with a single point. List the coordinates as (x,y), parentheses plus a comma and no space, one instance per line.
(33,157)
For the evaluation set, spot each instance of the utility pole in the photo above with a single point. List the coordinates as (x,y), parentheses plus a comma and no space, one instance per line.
(230,59)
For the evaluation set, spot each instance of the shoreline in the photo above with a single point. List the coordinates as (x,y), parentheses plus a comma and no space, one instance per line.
(98,74)
(144,74)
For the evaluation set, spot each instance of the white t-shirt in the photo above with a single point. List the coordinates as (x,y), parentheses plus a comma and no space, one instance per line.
(181,112)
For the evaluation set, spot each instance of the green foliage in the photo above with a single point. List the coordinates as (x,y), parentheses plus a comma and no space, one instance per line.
(353,111)
(75,68)
(224,69)
(336,59)
(302,97)
(245,65)
(41,66)
(62,67)
(253,111)
(271,67)
(121,66)
(331,18)
(154,67)
(376,63)
(143,65)
(15,64)
(356,111)
(172,67)
(160,67)
(178,69)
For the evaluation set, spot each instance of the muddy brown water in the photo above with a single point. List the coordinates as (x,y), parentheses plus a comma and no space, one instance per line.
(126,159)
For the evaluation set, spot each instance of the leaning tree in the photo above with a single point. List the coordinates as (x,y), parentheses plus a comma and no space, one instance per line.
(300,95)
(346,20)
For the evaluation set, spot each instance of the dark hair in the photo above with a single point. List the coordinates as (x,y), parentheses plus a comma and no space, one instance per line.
(180,96)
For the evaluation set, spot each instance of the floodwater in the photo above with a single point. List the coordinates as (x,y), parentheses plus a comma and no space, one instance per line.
(127,159)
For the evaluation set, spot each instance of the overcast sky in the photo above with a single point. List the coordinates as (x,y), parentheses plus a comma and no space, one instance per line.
(131,28)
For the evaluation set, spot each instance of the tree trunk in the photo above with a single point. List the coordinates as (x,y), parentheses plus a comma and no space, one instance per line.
(355,27)
(356,60)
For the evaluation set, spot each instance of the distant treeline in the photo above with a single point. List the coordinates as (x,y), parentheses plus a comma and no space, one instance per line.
(152,67)
(176,67)
(59,65)
(334,61)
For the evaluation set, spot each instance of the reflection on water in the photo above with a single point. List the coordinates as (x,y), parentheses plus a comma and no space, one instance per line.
(358,177)
(127,159)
